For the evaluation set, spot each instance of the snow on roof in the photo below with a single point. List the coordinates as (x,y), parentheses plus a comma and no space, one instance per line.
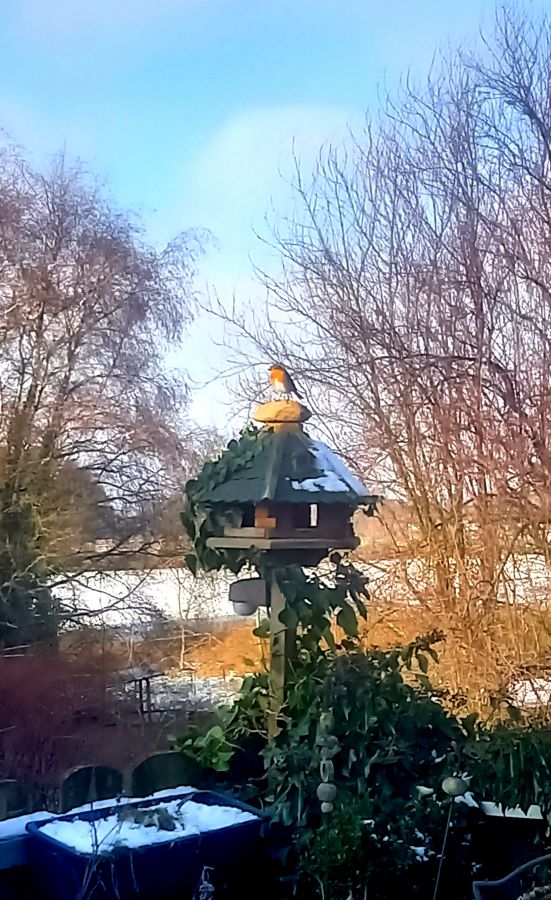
(327,481)
(335,476)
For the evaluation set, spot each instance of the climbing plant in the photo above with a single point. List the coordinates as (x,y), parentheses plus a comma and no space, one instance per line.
(315,603)
(202,519)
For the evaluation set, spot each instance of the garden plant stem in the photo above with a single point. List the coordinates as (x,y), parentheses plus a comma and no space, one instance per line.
(444,842)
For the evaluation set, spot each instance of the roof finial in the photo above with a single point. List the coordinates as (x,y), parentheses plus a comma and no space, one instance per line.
(282,415)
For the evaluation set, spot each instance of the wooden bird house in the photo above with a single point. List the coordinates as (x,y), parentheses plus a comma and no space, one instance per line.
(290,496)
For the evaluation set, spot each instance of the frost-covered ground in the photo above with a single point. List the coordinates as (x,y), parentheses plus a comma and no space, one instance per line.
(171,693)
(182,818)
(180,692)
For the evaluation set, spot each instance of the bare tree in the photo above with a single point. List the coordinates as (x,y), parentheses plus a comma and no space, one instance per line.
(415,291)
(93,424)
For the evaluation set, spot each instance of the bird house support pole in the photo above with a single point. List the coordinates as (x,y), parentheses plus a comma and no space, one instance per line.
(282,641)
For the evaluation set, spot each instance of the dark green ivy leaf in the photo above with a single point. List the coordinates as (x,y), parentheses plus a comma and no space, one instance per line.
(361,607)
(289,617)
(329,639)
(191,562)
(347,620)
(348,645)
(262,630)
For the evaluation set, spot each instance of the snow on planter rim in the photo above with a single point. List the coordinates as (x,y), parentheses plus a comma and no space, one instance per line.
(102,836)
(16,827)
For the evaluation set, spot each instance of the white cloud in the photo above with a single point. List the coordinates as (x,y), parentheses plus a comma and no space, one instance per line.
(248,161)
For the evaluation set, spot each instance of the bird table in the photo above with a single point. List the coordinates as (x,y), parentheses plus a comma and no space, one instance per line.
(139,681)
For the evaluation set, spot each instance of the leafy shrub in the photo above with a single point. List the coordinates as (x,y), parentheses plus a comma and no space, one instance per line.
(511,764)
(210,750)
(392,736)
(393,744)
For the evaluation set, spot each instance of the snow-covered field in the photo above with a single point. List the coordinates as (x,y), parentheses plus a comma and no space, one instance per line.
(531,692)
(129,597)
(163,824)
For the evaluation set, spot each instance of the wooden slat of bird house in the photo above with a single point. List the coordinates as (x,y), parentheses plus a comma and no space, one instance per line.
(263,518)
(282,647)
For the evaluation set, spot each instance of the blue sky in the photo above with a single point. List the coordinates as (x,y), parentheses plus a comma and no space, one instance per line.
(189,108)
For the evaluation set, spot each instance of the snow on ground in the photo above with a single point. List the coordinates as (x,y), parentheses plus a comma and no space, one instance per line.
(170,693)
(531,692)
(131,599)
(103,835)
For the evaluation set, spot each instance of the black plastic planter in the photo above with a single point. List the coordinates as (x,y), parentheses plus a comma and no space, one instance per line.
(167,871)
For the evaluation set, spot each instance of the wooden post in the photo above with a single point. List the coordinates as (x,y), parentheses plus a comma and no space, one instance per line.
(281,647)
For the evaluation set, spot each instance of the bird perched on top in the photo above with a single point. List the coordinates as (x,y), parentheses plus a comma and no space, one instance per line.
(281,381)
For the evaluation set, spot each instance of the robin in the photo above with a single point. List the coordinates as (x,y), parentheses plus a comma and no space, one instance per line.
(281,381)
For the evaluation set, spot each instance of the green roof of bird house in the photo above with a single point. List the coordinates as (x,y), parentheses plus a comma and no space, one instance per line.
(283,466)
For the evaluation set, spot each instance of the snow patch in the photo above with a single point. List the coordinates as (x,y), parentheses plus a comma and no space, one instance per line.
(496,809)
(124,801)
(422,853)
(531,692)
(334,476)
(174,692)
(17,826)
(328,481)
(330,462)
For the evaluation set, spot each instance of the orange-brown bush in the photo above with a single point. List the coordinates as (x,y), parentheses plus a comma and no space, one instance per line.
(507,652)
